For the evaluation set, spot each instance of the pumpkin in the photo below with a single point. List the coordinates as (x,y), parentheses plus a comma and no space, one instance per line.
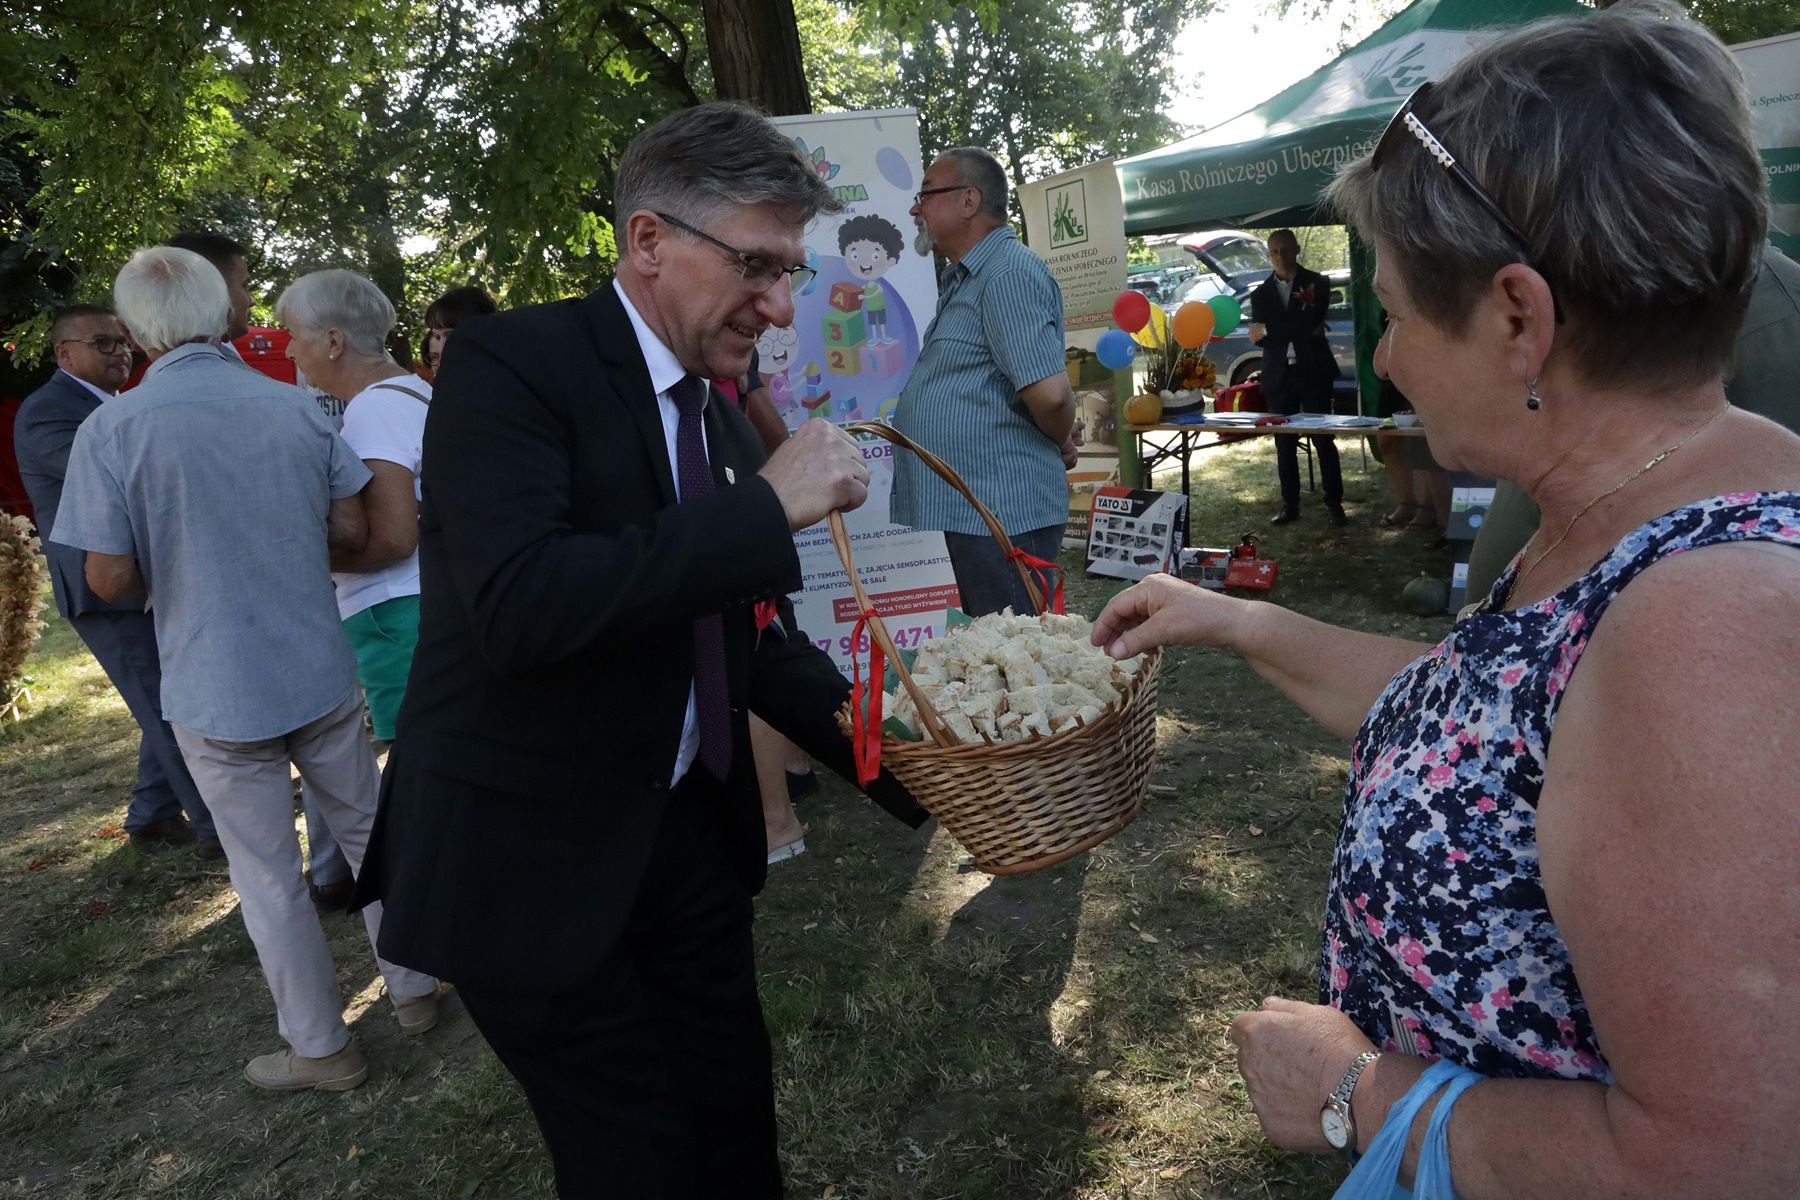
(1425,596)
(1144,409)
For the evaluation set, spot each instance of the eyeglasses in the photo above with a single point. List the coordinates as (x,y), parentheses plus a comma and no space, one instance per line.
(103,343)
(1406,122)
(757,272)
(919,197)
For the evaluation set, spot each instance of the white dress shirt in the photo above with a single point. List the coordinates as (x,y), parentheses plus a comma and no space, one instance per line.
(665,372)
(100,392)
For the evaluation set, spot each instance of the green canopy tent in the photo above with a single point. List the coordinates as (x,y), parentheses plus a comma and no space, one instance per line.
(1268,166)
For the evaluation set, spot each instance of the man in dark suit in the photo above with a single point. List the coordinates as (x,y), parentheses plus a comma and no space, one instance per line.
(93,359)
(1287,319)
(569,826)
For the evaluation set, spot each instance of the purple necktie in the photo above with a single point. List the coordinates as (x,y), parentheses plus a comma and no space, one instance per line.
(711,697)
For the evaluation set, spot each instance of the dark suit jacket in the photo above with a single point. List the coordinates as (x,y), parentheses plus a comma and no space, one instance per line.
(42,434)
(559,581)
(1307,387)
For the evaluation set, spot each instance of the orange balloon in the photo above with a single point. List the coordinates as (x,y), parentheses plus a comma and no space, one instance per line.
(1192,325)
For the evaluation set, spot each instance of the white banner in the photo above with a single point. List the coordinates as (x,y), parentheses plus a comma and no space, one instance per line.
(855,337)
(1076,223)
(1772,82)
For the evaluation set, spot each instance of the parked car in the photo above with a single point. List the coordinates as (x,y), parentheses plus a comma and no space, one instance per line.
(1237,259)
(1236,358)
(1160,284)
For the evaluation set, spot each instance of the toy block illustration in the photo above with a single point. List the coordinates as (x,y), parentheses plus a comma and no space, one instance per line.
(813,394)
(844,360)
(841,328)
(882,359)
(847,297)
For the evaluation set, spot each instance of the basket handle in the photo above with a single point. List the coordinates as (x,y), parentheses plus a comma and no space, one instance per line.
(944,471)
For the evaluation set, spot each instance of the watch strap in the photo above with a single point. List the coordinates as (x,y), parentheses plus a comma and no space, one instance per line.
(1342,1093)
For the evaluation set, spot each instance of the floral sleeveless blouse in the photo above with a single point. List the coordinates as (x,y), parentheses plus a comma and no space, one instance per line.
(1438,937)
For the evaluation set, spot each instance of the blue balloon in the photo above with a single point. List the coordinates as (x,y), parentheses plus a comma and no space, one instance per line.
(1115,349)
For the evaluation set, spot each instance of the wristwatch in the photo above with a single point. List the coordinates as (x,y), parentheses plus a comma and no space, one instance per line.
(1334,1118)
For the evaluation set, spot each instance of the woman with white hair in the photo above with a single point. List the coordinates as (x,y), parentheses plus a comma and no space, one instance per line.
(339,323)
(1567,857)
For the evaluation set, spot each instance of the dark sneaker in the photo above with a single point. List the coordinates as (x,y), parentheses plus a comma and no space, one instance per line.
(168,829)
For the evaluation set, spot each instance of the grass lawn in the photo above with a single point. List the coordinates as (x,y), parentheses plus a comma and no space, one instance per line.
(937,1033)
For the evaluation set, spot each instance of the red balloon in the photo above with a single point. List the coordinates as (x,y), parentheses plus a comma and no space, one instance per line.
(1131,311)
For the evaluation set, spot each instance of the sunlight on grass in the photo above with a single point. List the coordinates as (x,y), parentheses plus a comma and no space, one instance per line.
(936,1032)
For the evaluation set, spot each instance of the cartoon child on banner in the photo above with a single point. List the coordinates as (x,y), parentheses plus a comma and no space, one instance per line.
(856,339)
(871,247)
(774,362)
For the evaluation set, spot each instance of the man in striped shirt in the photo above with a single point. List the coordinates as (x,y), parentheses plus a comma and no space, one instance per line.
(990,393)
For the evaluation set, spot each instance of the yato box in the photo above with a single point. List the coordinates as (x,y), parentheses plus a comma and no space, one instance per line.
(1205,566)
(1135,534)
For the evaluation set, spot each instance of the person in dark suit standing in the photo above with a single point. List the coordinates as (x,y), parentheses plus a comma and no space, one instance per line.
(93,359)
(569,827)
(1287,319)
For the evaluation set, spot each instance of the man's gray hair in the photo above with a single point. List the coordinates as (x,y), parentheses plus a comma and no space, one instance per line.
(340,300)
(1620,144)
(169,297)
(696,163)
(977,168)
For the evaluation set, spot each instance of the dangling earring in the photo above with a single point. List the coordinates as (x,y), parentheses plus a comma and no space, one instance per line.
(1533,401)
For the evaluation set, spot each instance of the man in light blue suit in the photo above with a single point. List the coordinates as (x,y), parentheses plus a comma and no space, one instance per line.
(93,359)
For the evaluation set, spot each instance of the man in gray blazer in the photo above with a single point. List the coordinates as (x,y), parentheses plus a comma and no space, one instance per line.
(93,359)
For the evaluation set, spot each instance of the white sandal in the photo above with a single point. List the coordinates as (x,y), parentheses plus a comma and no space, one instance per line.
(793,849)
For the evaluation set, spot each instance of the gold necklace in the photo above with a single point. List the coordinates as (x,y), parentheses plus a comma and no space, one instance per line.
(1518,579)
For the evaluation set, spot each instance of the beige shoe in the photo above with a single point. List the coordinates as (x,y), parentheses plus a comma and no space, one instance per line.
(418,1014)
(285,1071)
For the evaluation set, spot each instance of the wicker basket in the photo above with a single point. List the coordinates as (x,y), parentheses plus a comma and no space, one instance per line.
(1015,806)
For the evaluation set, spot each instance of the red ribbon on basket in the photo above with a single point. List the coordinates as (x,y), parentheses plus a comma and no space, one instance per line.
(1044,570)
(865,721)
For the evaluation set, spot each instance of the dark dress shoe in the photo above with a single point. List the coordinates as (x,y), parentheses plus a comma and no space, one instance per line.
(1286,516)
(210,848)
(168,829)
(333,897)
(1338,516)
(801,784)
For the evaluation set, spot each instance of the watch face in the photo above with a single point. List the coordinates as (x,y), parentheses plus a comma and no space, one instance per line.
(1337,1130)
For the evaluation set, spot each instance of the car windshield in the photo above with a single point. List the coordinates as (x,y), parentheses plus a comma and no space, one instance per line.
(1200,287)
(1240,257)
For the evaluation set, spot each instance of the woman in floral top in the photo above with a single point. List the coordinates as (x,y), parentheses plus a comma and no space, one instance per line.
(1570,853)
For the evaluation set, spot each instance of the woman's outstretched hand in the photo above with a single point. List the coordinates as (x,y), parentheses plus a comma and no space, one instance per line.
(1165,611)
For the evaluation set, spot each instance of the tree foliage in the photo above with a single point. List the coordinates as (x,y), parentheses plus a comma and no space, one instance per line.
(1043,84)
(433,142)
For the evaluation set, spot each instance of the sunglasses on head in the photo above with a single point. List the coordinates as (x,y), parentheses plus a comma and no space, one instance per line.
(1407,127)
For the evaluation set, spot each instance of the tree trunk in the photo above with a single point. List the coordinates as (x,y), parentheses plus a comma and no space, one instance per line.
(381,240)
(754,46)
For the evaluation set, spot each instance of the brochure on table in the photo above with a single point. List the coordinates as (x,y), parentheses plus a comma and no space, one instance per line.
(855,337)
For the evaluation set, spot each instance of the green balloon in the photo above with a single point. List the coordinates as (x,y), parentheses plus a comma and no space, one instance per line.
(1226,314)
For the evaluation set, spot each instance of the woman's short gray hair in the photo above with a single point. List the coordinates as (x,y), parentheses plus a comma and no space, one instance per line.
(696,162)
(979,169)
(169,297)
(1619,143)
(340,300)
